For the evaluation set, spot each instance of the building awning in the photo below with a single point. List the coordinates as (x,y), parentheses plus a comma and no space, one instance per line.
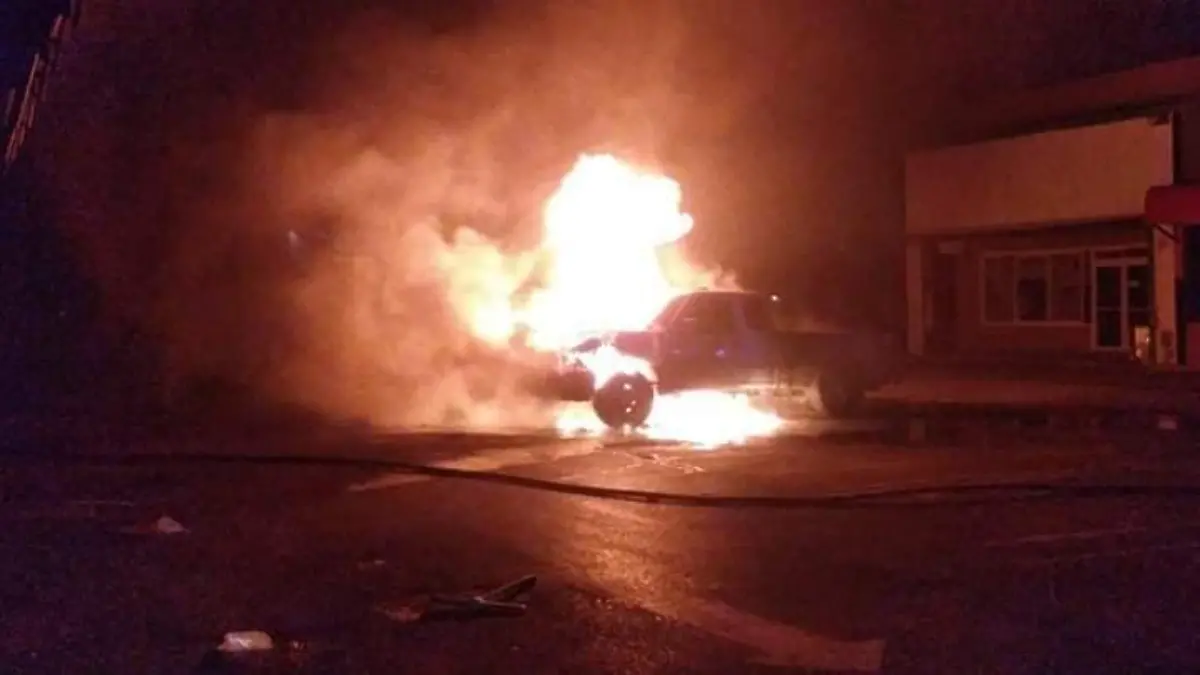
(1173,205)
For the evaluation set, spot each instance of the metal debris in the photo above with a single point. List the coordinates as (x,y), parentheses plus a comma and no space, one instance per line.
(506,600)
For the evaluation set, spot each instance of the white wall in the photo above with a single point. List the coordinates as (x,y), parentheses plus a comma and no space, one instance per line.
(1073,175)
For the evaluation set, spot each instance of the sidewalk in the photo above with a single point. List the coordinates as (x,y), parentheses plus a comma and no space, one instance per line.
(1084,384)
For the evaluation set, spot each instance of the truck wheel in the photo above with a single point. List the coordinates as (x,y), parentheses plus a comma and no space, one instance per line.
(835,397)
(624,401)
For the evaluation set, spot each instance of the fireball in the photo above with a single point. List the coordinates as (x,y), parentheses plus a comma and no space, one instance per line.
(606,230)
(603,229)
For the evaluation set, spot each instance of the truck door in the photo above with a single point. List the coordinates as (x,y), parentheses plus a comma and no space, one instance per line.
(700,344)
(757,359)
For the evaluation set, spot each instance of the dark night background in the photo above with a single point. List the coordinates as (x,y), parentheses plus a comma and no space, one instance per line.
(785,121)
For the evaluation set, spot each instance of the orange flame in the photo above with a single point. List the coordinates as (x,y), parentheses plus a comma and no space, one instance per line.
(606,229)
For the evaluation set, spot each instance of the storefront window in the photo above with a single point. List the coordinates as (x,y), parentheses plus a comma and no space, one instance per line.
(1067,287)
(1034,288)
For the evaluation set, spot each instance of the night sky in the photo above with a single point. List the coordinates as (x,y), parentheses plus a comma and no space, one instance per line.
(783,119)
(1029,43)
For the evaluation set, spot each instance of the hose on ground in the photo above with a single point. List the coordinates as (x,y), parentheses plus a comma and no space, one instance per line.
(929,495)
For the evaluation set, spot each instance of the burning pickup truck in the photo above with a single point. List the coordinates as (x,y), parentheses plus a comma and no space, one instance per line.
(726,341)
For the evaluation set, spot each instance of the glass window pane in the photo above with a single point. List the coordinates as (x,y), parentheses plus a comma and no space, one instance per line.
(1108,328)
(1033,288)
(708,315)
(1108,287)
(1031,300)
(1032,267)
(1138,283)
(998,277)
(758,313)
(1067,287)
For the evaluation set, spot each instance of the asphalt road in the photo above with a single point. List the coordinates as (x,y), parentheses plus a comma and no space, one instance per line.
(999,542)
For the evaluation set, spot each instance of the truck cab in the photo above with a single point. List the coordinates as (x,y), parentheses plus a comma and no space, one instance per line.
(716,340)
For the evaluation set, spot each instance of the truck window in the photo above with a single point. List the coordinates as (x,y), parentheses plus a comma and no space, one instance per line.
(708,315)
(760,316)
(668,313)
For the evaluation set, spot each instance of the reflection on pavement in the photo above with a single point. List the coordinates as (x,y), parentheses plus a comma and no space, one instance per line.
(948,426)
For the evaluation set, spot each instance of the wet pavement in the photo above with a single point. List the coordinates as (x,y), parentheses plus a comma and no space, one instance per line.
(953,424)
(908,542)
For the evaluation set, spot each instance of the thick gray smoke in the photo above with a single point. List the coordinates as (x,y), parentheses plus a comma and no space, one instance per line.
(386,250)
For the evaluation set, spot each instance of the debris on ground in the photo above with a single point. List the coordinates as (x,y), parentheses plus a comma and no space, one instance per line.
(246,641)
(164,525)
(507,600)
(258,652)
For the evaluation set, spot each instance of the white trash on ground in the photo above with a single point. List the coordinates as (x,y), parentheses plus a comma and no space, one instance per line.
(246,641)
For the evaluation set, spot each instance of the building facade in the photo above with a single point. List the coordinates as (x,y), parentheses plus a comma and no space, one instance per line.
(1056,225)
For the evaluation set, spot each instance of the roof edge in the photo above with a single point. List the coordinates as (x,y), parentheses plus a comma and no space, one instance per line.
(1136,92)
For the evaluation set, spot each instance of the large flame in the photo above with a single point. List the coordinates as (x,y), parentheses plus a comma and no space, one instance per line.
(603,229)
(608,234)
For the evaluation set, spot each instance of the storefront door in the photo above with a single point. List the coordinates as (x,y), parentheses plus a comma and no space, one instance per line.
(1121,301)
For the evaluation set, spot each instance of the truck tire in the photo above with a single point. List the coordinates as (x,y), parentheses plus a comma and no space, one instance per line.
(624,401)
(833,396)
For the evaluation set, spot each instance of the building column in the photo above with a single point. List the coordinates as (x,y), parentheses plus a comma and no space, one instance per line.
(1165,265)
(914,293)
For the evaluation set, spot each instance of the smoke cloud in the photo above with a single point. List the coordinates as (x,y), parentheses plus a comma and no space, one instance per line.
(308,222)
